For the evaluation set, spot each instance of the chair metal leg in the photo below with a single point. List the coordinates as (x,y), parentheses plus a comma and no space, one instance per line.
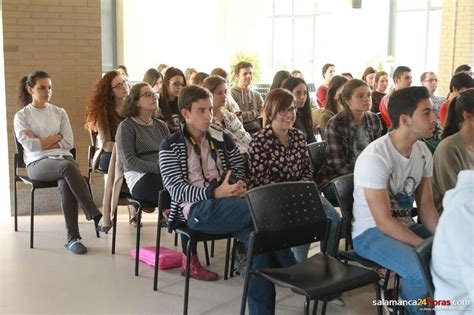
(157,252)
(114,232)
(325,304)
(206,252)
(212,248)
(377,297)
(32,216)
(227,254)
(186,277)
(307,304)
(232,262)
(315,307)
(175,239)
(137,248)
(247,275)
(15,205)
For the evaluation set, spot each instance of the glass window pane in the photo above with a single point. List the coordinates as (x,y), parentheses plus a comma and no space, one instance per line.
(411,5)
(434,35)
(283,7)
(436,3)
(410,40)
(304,7)
(282,43)
(303,45)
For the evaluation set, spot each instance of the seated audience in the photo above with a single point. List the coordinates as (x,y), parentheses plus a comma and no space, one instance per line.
(380,87)
(279,79)
(199,78)
(45,133)
(304,120)
(222,117)
(103,115)
(430,81)
(279,153)
(249,101)
(122,69)
(350,131)
(173,82)
(347,75)
(402,79)
(162,68)
(297,74)
(452,260)
(204,173)
(369,77)
(459,83)
(332,106)
(329,70)
(389,175)
(456,151)
(138,141)
(464,68)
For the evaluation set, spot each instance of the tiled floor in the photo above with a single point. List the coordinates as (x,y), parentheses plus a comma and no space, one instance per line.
(50,280)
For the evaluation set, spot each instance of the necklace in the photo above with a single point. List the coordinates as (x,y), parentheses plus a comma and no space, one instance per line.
(148,123)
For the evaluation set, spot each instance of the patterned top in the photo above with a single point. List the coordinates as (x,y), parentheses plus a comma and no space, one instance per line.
(271,162)
(236,130)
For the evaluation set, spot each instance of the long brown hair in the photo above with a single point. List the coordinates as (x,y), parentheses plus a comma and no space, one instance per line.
(101,107)
(24,96)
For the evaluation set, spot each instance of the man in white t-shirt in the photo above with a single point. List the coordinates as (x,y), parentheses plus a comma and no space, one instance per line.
(390,174)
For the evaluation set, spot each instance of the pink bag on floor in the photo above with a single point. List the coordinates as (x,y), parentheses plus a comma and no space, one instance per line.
(169,258)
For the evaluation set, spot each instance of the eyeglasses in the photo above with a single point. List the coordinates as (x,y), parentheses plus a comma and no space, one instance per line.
(121,85)
(431,80)
(150,95)
(178,84)
(285,111)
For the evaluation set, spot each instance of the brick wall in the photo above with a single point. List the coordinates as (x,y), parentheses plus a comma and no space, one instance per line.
(457,39)
(62,37)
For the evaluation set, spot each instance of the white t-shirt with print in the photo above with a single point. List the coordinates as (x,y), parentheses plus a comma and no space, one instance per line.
(380,166)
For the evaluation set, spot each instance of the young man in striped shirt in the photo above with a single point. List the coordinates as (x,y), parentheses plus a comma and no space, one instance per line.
(204,172)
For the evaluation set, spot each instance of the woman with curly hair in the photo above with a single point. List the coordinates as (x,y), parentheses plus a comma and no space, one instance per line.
(103,114)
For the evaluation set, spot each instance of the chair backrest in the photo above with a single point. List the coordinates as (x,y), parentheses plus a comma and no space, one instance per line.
(423,253)
(317,155)
(311,88)
(343,187)
(285,215)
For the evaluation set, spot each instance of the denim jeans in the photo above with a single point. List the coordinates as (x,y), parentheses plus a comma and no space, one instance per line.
(232,215)
(398,257)
(301,252)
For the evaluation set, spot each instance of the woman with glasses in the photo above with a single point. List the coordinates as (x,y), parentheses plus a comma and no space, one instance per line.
(138,140)
(223,117)
(279,153)
(154,78)
(304,121)
(103,115)
(351,130)
(44,132)
(173,83)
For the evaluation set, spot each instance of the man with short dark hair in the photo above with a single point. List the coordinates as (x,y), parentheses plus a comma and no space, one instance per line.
(390,174)
(402,79)
(204,173)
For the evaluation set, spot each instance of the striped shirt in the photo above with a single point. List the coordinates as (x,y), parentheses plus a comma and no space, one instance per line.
(174,170)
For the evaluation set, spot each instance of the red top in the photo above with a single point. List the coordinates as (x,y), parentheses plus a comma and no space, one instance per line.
(443,112)
(321,95)
(384,112)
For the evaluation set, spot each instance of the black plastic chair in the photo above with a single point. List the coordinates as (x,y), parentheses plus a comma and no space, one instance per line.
(127,199)
(164,202)
(317,156)
(19,163)
(423,253)
(291,214)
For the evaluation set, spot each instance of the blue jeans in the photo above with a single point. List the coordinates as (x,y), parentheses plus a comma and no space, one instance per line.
(301,252)
(397,256)
(232,215)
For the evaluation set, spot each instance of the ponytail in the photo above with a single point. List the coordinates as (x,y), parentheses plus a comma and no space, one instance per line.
(452,123)
(24,96)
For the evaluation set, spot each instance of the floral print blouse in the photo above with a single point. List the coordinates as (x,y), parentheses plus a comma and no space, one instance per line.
(236,129)
(271,162)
